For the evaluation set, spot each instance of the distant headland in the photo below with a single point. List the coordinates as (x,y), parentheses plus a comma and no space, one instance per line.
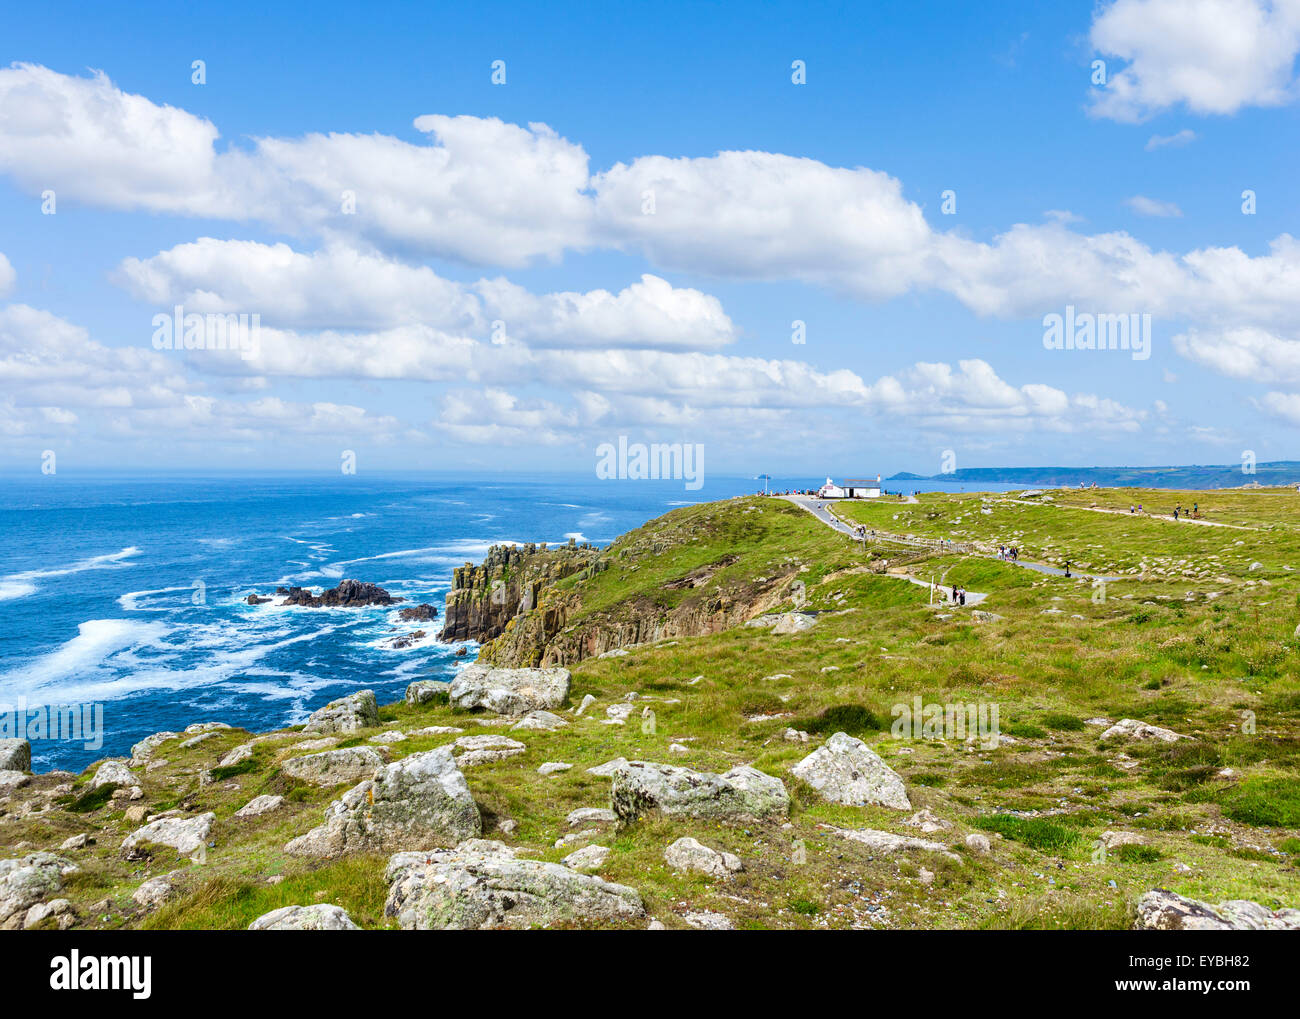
(1276,472)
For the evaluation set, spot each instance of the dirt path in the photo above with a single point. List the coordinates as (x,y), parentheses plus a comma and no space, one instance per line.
(1124,513)
(823,511)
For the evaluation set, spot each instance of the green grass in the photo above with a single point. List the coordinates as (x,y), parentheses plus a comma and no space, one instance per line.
(854,719)
(1267,802)
(1034,832)
(89,801)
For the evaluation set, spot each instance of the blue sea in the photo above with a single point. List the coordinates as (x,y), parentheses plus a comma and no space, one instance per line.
(129,591)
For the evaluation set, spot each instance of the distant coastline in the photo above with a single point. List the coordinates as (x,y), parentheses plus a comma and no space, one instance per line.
(1273,473)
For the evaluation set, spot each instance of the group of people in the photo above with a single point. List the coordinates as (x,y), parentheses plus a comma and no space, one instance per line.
(958,595)
(1009,553)
(1180,511)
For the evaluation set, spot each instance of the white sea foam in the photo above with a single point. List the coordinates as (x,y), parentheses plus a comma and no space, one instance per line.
(97,640)
(19,585)
(131,600)
(11,588)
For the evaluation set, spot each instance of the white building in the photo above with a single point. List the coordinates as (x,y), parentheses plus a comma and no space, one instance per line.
(860,488)
(853,488)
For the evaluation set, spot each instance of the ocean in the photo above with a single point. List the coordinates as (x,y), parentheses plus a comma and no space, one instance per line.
(128,592)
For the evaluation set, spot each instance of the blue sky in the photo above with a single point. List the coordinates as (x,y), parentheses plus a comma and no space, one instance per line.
(772,202)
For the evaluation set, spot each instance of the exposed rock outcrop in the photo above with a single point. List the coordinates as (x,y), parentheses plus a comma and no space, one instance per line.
(889,843)
(740,794)
(1131,728)
(334,767)
(154,892)
(845,770)
(688,854)
(260,805)
(184,834)
(349,594)
(27,881)
(112,772)
(347,714)
(424,690)
(511,606)
(418,802)
(1164,910)
(509,691)
(318,917)
(484,599)
(142,752)
(15,755)
(481,884)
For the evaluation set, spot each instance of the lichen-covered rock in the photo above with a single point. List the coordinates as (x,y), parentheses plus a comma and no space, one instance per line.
(42,911)
(1163,910)
(27,881)
(978,843)
(794,622)
(112,773)
(845,770)
(706,920)
(15,755)
(1115,839)
(591,815)
(240,753)
(347,714)
(509,691)
(541,720)
(481,884)
(319,917)
(1131,728)
(587,858)
(688,854)
(483,749)
(184,834)
(334,767)
(419,802)
(260,805)
(424,690)
(154,892)
(889,843)
(143,751)
(739,794)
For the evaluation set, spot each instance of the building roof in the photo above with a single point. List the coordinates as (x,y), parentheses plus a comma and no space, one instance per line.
(860,483)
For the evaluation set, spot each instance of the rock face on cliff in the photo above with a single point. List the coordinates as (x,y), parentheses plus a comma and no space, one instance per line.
(483,599)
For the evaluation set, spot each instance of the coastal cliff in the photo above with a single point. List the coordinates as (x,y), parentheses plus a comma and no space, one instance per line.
(510,581)
(689,574)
